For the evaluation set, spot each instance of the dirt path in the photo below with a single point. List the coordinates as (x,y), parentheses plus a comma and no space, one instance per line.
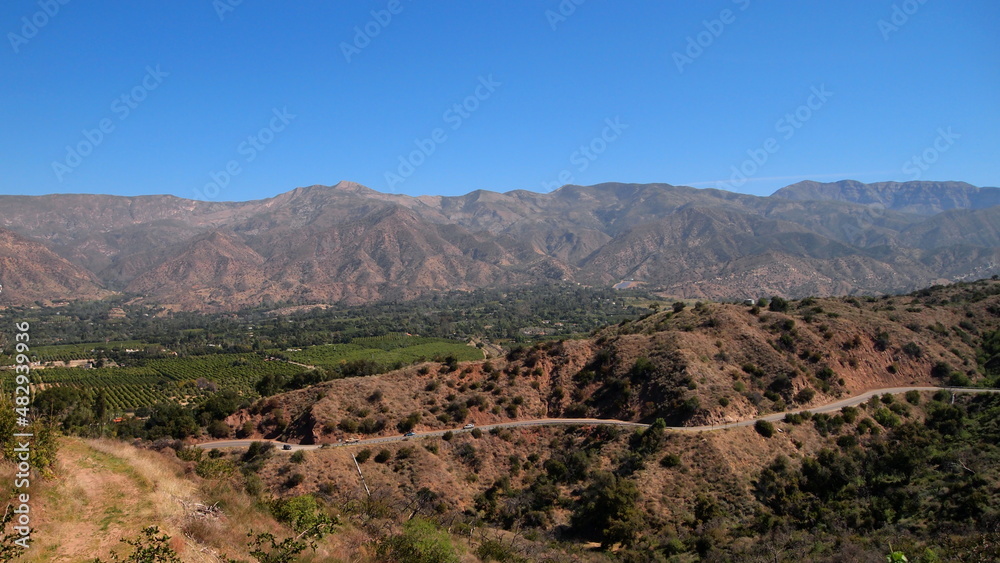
(830,407)
(105,491)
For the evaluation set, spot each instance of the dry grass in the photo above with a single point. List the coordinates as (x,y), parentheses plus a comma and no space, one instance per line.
(103,491)
(106,490)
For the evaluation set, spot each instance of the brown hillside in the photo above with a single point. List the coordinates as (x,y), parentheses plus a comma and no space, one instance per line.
(347,243)
(708,363)
(31,272)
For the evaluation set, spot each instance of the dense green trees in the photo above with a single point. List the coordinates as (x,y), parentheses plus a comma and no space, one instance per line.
(927,477)
(490,313)
(220,405)
(607,510)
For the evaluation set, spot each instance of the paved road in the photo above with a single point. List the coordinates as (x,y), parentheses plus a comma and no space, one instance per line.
(830,407)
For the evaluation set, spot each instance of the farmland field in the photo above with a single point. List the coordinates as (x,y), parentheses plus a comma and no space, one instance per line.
(169,379)
(143,382)
(389,350)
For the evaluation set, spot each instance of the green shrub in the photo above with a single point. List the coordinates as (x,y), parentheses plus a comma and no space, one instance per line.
(258,452)
(882,341)
(246,430)
(670,460)
(764,428)
(867,426)
(959,379)
(913,349)
(371,425)
(643,368)
(302,512)
(149,547)
(847,441)
(190,453)
(900,408)
(941,370)
(778,304)
(218,429)
(496,550)
(348,425)
(850,414)
(294,480)
(408,423)
(420,542)
(793,418)
(886,418)
(214,468)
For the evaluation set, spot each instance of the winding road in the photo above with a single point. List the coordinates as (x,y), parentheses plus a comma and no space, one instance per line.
(830,407)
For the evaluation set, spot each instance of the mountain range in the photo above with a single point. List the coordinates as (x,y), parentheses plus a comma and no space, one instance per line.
(350,244)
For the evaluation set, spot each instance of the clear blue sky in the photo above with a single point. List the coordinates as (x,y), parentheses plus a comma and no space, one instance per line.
(929,87)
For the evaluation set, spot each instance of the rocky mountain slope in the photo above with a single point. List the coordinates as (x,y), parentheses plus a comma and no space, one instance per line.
(350,244)
(32,272)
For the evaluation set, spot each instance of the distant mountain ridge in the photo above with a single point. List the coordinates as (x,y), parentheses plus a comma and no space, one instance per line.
(348,243)
(921,198)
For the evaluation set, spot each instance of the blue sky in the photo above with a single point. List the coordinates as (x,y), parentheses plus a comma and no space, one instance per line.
(232,100)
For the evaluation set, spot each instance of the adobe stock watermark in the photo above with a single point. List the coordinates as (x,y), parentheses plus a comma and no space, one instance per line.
(917,164)
(563,11)
(714,28)
(587,153)
(786,127)
(455,116)
(364,34)
(249,149)
(24,452)
(900,16)
(225,7)
(33,24)
(122,107)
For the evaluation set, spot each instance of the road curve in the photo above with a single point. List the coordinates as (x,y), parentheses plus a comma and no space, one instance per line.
(829,407)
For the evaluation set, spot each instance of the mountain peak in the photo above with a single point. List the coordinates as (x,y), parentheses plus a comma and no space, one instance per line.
(353,187)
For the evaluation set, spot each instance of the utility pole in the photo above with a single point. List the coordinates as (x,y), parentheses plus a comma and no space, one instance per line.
(362,475)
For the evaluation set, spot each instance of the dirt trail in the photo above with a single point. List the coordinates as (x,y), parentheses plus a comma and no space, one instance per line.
(105,491)
(830,407)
